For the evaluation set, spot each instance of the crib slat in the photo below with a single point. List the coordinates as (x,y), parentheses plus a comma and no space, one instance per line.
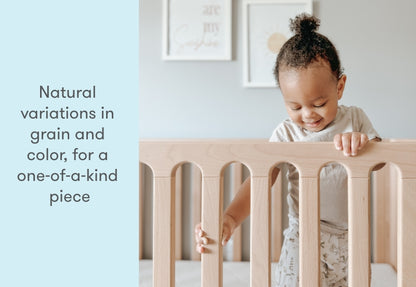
(164,232)
(212,202)
(358,232)
(385,215)
(393,206)
(309,235)
(237,235)
(277,225)
(406,249)
(196,205)
(260,232)
(141,205)
(178,213)
(380,215)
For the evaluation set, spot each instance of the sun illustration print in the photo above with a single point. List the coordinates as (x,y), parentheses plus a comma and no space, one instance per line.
(275,41)
(269,41)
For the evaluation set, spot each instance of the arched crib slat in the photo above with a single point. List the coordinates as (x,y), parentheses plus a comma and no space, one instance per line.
(196,204)
(384,229)
(260,232)
(212,198)
(164,232)
(309,235)
(178,213)
(141,212)
(277,224)
(358,232)
(237,235)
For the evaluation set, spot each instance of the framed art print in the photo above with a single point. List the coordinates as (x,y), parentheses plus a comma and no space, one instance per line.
(265,29)
(197,30)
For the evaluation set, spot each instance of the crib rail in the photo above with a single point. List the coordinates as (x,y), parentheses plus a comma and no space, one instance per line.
(260,157)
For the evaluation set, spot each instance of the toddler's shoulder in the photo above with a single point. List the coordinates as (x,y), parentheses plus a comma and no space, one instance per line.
(286,131)
(353,111)
(352,114)
(359,120)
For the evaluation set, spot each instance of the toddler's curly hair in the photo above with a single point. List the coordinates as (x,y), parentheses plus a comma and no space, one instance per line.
(307,46)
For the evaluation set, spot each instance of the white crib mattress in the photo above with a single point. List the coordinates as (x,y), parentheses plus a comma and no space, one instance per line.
(188,274)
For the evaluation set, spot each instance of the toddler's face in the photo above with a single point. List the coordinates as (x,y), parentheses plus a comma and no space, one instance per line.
(311,95)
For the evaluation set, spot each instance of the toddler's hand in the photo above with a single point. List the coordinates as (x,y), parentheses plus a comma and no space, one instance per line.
(200,238)
(350,143)
(228,228)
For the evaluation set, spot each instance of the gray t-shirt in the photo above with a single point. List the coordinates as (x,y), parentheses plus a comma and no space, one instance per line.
(333,177)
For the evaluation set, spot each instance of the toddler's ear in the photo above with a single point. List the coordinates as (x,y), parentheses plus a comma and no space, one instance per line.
(341,86)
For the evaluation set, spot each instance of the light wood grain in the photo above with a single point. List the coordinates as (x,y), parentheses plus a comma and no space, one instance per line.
(260,157)
(309,232)
(277,225)
(384,226)
(141,210)
(212,198)
(178,213)
(237,235)
(392,220)
(358,232)
(260,232)
(196,204)
(406,256)
(164,232)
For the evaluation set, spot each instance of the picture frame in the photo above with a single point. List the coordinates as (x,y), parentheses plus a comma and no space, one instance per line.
(265,29)
(197,30)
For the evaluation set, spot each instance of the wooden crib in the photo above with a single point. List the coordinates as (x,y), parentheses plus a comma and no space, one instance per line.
(260,157)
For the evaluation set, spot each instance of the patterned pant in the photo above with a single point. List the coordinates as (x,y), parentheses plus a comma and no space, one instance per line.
(334,259)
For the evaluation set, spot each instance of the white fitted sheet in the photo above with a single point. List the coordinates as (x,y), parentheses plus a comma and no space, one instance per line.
(188,274)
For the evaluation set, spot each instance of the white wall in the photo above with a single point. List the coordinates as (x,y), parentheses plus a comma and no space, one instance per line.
(377,44)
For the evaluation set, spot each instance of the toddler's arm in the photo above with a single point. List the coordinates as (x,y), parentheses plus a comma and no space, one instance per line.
(233,216)
(236,212)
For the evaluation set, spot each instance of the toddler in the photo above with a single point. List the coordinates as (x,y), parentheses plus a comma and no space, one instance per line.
(310,77)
